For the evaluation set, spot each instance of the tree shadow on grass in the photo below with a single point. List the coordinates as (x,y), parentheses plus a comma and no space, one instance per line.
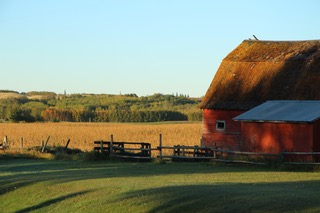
(26,172)
(21,173)
(236,197)
(52,201)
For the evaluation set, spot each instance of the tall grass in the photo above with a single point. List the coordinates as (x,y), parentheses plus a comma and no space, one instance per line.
(82,135)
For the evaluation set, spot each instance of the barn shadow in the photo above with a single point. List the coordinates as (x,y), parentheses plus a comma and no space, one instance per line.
(234,197)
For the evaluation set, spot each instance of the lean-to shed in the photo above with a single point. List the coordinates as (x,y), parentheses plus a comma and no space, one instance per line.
(254,72)
(278,126)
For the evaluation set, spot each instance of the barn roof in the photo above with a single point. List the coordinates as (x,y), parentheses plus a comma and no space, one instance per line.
(283,111)
(257,71)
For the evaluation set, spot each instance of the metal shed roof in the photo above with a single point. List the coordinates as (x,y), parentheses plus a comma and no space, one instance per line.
(283,111)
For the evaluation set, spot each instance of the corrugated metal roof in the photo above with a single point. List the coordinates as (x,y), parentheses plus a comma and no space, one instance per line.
(283,111)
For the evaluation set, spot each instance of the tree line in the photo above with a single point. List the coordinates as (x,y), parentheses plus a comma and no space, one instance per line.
(48,106)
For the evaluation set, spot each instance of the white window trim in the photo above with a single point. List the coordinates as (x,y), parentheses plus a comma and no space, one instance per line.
(224,125)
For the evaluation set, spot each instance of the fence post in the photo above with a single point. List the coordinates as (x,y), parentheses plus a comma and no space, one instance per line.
(45,145)
(101,146)
(177,150)
(215,151)
(67,144)
(111,145)
(21,143)
(160,147)
(5,142)
(195,151)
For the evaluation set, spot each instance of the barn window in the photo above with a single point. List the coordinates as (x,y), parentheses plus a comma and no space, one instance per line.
(220,125)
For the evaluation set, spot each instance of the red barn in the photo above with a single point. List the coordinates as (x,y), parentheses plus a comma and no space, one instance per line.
(277,126)
(255,72)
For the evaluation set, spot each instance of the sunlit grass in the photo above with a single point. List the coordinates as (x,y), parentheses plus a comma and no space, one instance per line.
(77,186)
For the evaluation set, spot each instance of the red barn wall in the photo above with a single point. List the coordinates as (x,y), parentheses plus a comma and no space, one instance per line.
(226,139)
(277,137)
(316,136)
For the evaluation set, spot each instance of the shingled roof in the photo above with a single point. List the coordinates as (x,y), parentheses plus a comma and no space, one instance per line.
(257,71)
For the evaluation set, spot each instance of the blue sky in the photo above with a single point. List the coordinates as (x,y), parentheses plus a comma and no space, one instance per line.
(136,46)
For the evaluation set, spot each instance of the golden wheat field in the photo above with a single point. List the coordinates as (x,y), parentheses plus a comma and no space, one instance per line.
(82,135)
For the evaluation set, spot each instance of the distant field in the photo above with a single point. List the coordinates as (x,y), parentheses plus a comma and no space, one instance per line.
(82,135)
(5,95)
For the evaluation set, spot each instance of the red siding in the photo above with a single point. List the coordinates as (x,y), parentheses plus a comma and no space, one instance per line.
(225,139)
(316,140)
(261,137)
(316,136)
(277,137)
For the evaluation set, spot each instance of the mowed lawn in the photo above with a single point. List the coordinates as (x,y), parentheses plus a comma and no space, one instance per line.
(78,186)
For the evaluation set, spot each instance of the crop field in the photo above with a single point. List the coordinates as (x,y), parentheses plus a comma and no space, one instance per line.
(82,135)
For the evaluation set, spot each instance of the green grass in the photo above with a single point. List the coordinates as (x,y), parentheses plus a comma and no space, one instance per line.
(29,185)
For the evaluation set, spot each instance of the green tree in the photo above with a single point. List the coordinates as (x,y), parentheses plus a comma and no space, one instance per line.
(36,108)
(19,114)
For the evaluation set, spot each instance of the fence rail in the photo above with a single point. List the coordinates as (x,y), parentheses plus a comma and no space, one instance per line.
(143,150)
(132,150)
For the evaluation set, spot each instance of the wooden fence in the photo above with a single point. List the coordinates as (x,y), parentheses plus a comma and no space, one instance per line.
(43,146)
(143,150)
(133,150)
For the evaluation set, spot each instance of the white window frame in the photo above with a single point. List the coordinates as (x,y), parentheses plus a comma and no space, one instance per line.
(218,122)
